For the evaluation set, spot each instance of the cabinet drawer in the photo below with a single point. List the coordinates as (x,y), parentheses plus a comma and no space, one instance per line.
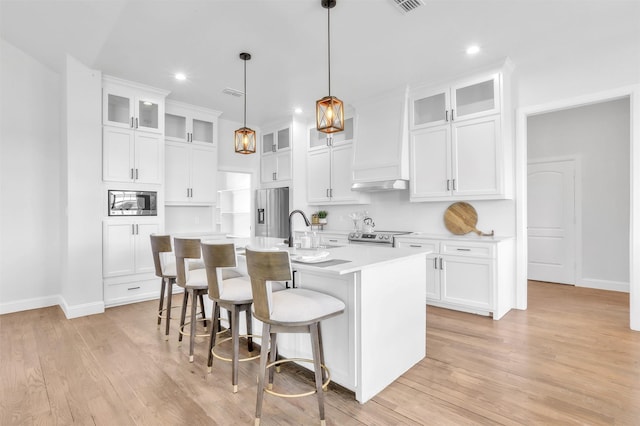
(130,292)
(468,249)
(419,244)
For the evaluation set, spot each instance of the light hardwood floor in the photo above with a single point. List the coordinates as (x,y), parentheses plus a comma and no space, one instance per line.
(569,359)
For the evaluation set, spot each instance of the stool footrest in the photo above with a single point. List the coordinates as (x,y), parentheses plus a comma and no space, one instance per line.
(229,359)
(297,395)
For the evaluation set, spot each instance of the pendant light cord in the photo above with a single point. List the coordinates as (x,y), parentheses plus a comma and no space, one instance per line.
(245,93)
(329,44)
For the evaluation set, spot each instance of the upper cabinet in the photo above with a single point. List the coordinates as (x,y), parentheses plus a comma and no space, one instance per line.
(133,123)
(329,165)
(461,141)
(190,124)
(276,156)
(132,106)
(468,99)
(381,142)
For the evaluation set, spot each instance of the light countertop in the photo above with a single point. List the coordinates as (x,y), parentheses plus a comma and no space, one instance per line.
(358,257)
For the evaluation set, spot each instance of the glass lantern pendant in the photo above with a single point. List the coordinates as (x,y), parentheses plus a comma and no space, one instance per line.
(244,137)
(329,110)
(245,140)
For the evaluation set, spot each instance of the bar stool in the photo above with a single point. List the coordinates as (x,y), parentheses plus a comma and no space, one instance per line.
(295,310)
(195,286)
(166,271)
(232,294)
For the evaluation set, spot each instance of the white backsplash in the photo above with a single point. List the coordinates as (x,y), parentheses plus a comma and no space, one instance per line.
(392,211)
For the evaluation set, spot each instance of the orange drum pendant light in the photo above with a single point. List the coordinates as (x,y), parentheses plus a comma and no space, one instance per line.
(245,138)
(329,110)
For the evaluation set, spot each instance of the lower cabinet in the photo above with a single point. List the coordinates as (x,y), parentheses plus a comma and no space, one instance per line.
(127,265)
(470,276)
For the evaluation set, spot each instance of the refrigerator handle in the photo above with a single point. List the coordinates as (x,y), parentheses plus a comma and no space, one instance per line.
(261,216)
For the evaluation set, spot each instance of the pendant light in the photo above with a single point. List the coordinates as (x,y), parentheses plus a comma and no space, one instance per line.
(245,138)
(329,110)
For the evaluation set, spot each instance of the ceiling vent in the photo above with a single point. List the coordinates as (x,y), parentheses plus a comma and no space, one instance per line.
(233,92)
(406,6)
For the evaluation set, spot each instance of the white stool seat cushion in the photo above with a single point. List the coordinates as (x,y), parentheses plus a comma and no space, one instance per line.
(238,289)
(298,306)
(197,279)
(169,270)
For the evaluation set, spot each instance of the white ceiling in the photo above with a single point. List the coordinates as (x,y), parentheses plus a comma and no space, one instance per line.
(374,46)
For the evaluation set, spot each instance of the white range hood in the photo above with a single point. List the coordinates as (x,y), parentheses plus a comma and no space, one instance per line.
(383,185)
(381,146)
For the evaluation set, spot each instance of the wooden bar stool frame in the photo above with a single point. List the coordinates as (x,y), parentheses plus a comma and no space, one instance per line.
(162,244)
(186,249)
(263,267)
(216,257)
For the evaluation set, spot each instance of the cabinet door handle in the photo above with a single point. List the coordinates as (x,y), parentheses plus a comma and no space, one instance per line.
(136,174)
(446,115)
(415,245)
(136,122)
(132,122)
(463,249)
(448,184)
(133,229)
(455,188)
(274,176)
(452,117)
(137,229)
(131,173)
(441,264)
(273,148)
(435,263)
(333,241)
(134,288)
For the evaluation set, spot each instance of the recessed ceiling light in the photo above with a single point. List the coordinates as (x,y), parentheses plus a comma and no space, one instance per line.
(298,110)
(180,76)
(472,50)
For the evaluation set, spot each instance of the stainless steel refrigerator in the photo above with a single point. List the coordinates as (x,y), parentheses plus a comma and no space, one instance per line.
(272,212)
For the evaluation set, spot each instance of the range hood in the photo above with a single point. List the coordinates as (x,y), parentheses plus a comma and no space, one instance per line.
(381,148)
(381,185)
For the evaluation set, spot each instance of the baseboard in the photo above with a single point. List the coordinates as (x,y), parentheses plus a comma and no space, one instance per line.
(604,285)
(28,304)
(81,310)
(55,300)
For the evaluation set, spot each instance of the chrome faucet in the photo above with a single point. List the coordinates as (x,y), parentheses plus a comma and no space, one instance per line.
(306,220)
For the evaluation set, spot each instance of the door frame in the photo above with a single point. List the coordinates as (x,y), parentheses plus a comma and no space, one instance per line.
(577,208)
(522,114)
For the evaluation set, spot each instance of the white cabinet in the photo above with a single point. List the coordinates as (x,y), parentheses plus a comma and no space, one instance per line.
(127,246)
(329,166)
(189,123)
(190,174)
(381,142)
(275,158)
(460,140)
(461,161)
(467,275)
(132,106)
(275,167)
(130,156)
(133,121)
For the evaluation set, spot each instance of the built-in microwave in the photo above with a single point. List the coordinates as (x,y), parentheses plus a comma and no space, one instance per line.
(133,203)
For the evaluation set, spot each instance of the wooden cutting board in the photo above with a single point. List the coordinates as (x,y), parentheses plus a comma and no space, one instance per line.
(461,218)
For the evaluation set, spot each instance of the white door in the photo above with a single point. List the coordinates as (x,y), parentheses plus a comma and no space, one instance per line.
(551,221)
(176,171)
(204,167)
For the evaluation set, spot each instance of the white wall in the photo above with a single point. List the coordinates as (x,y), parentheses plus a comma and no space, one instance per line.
(29,182)
(83,209)
(599,136)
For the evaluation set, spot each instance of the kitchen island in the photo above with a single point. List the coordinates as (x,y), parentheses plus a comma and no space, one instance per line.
(382,332)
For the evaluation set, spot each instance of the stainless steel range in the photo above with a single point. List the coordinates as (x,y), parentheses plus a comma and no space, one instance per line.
(381,238)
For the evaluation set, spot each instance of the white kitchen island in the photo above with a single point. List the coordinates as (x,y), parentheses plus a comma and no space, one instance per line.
(382,332)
